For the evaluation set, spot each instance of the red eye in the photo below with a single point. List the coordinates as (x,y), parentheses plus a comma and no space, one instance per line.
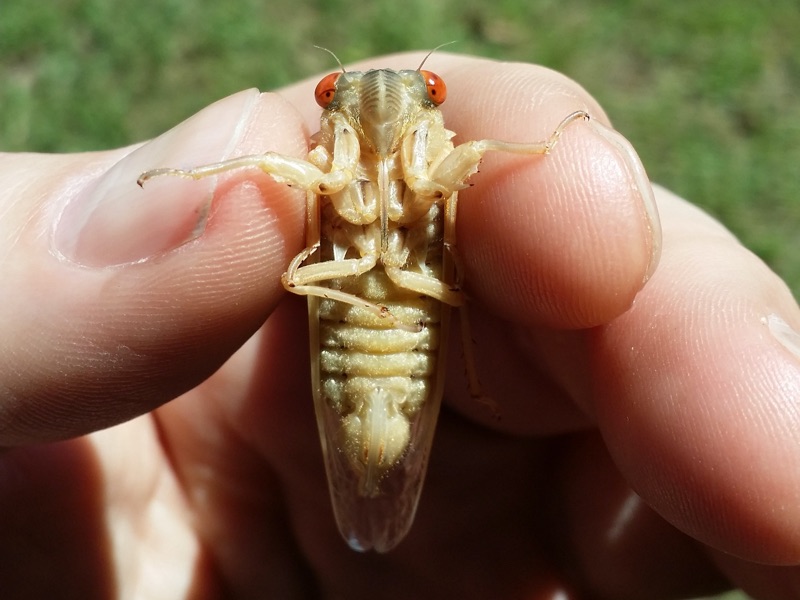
(437,90)
(326,89)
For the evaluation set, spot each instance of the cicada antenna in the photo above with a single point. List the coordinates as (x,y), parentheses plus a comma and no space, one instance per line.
(428,55)
(336,58)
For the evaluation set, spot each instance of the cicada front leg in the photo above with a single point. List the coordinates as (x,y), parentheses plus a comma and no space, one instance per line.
(463,160)
(284,169)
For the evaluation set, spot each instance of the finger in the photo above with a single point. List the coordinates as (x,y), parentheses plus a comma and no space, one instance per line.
(697,388)
(612,542)
(126,305)
(564,240)
(536,377)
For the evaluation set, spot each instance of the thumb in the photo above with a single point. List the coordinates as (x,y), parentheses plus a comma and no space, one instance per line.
(111,302)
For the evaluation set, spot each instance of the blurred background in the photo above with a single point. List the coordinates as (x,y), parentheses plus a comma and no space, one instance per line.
(706,91)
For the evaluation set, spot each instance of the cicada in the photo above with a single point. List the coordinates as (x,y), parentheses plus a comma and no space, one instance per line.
(379,271)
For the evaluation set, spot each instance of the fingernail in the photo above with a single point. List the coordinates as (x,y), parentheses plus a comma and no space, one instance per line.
(642,185)
(783,332)
(112,221)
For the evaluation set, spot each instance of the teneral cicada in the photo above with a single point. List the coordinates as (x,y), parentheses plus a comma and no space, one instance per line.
(382,184)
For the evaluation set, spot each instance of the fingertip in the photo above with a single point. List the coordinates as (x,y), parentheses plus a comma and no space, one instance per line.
(563,240)
(109,221)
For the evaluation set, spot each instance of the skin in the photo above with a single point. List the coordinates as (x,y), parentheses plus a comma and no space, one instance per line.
(154,392)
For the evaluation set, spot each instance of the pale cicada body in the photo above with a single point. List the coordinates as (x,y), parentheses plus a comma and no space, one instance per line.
(382,183)
(377,369)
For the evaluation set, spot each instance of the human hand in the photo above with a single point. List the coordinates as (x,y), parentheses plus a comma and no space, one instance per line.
(131,298)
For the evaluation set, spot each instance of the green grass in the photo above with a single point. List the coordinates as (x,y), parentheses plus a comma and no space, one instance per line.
(707,92)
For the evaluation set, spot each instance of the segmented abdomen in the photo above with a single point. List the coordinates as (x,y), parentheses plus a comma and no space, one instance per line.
(376,377)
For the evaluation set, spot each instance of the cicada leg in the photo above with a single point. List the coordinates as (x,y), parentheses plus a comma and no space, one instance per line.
(301,279)
(284,169)
(463,160)
(427,286)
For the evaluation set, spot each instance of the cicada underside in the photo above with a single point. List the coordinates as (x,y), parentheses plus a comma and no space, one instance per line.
(382,184)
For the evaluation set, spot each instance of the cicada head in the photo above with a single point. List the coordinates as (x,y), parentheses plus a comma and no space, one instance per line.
(381,103)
